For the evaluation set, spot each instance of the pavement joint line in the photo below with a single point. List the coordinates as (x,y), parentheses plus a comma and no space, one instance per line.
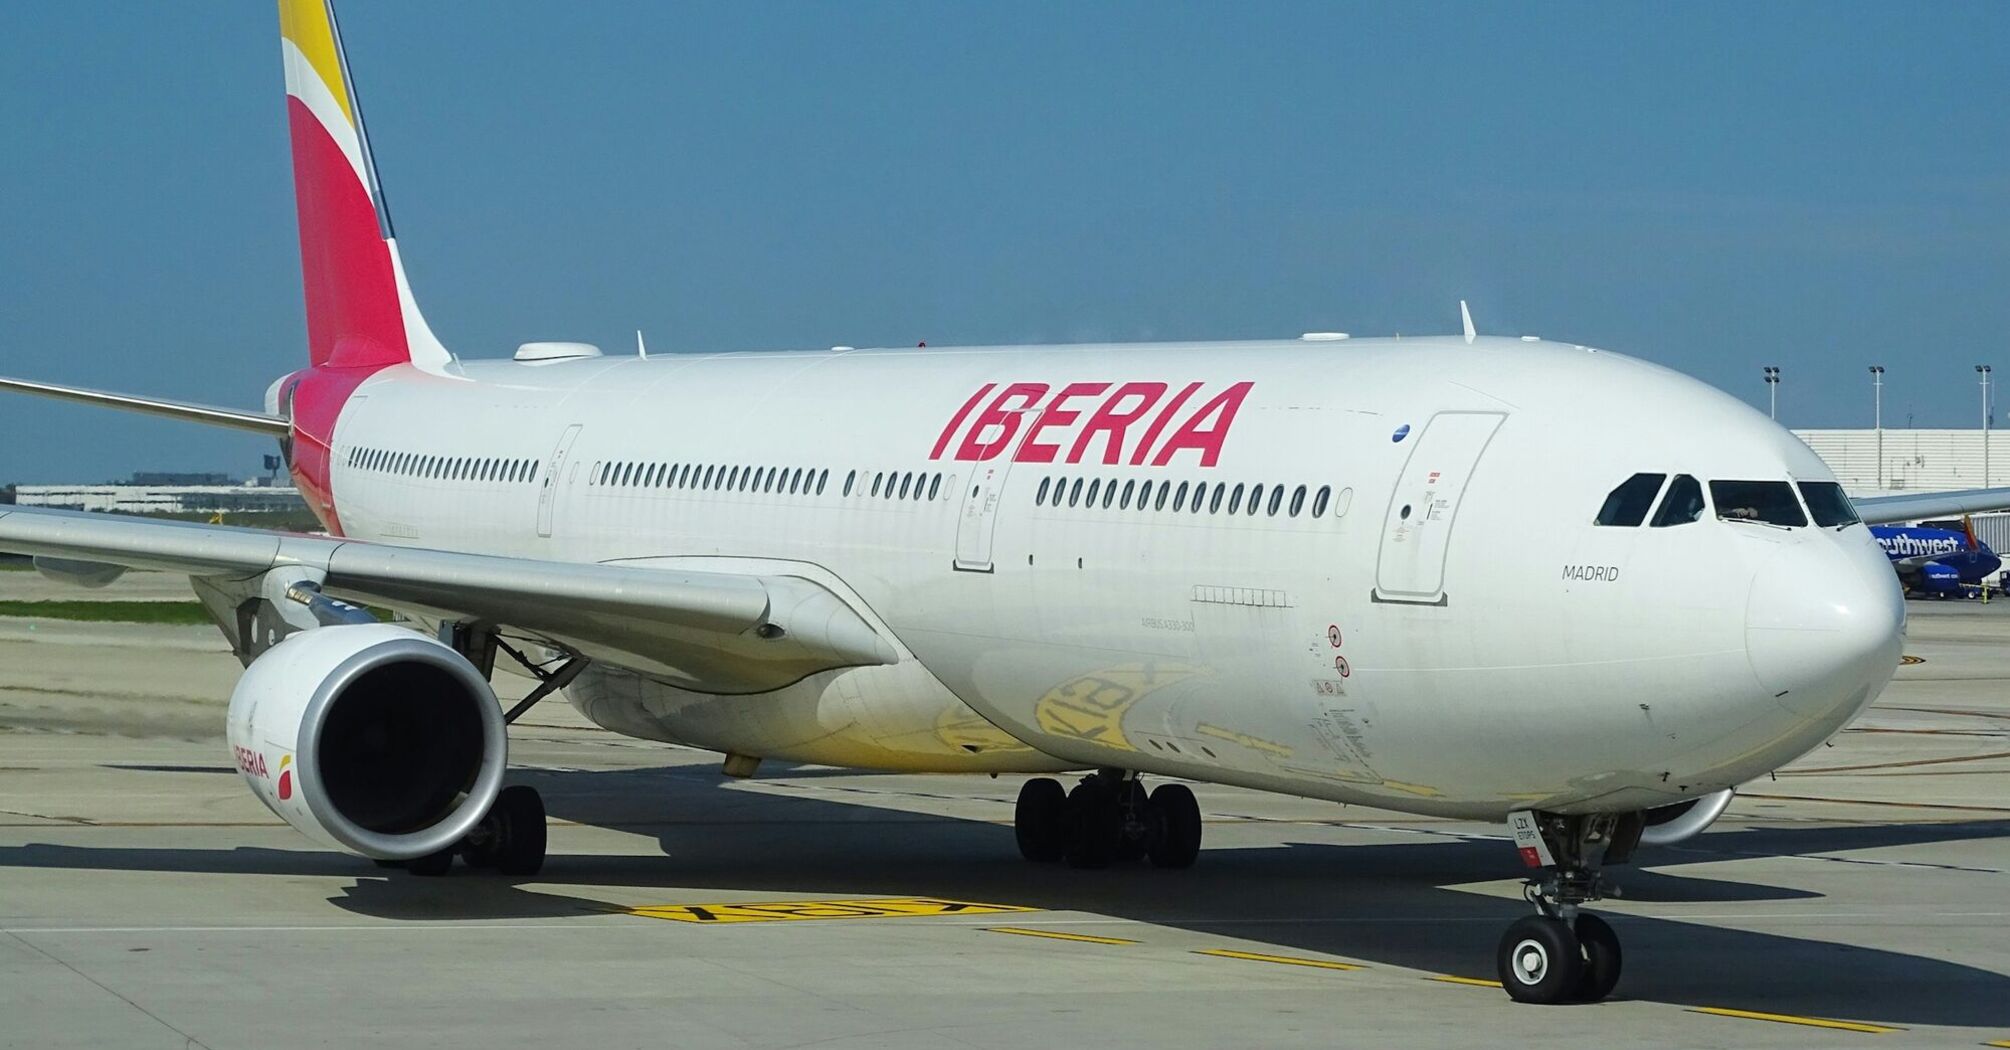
(1287,960)
(1809,1022)
(1476,982)
(1022,931)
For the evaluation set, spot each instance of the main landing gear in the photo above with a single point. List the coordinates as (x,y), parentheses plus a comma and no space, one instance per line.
(509,840)
(1562,954)
(1107,817)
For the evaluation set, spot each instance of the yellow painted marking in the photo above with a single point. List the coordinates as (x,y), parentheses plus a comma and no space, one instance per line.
(305,22)
(1228,953)
(1999,1042)
(773,911)
(1474,981)
(1022,931)
(1811,1022)
(1909,661)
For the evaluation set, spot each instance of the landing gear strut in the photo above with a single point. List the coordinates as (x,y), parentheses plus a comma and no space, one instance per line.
(1562,954)
(1107,817)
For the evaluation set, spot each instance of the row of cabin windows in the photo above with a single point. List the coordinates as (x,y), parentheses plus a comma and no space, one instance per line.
(447,468)
(1214,497)
(1763,502)
(786,481)
(895,484)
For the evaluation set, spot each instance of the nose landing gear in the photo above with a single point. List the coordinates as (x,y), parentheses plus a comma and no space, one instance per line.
(1562,954)
(1107,817)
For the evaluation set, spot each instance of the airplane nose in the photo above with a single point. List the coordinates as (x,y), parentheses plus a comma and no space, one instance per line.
(1824,626)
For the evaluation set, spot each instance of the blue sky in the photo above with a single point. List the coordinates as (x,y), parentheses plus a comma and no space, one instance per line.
(1715,187)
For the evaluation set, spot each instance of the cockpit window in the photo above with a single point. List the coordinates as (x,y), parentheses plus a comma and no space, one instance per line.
(1770,502)
(1831,509)
(1682,505)
(1628,504)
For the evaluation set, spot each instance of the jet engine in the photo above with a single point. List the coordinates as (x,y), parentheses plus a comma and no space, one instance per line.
(371,738)
(1668,825)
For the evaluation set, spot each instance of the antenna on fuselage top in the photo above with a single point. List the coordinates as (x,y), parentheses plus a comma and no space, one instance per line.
(1467,316)
(640,350)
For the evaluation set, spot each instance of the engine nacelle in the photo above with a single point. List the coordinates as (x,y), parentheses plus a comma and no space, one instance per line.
(372,738)
(1668,825)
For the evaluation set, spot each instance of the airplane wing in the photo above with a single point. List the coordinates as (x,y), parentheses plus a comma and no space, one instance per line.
(235,419)
(1887,510)
(713,632)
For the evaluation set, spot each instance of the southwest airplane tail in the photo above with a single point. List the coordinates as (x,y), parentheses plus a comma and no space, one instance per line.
(1423,574)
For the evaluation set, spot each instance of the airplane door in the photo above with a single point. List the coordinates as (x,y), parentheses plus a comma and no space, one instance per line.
(981,497)
(1417,530)
(547,497)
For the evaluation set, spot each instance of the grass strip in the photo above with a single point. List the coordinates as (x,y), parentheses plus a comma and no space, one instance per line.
(171,613)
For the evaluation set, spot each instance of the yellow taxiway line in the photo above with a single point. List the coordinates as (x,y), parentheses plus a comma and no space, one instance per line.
(1810,1022)
(1021,931)
(1287,960)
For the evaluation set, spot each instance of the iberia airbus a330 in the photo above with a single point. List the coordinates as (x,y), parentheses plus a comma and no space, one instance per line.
(1388,573)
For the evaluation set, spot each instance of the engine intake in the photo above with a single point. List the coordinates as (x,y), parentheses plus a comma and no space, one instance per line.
(371,738)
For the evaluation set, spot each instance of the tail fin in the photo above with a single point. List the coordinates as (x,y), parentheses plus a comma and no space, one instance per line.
(360,311)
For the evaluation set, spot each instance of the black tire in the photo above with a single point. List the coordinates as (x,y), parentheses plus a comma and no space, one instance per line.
(432,865)
(1539,961)
(1040,820)
(387,863)
(1601,958)
(520,851)
(1175,819)
(1094,822)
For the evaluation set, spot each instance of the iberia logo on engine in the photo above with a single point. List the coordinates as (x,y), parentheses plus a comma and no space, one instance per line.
(1108,423)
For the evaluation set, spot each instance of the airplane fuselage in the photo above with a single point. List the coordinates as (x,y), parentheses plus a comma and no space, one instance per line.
(1364,570)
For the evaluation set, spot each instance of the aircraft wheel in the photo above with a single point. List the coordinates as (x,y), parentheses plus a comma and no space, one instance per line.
(1540,961)
(1095,821)
(1601,958)
(1175,818)
(519,849)
(1040,820)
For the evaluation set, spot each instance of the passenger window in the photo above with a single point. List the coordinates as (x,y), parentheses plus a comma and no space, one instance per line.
(1255,497)
(1095,487)
(848,479)
(1214,501)
(1628,504)
(935,487)
(875,482)
(1682,505)
(1124,501)
(1040,498)
(1109,493)
(1770,502)
(1319,500)
(1276,498)
(1165,489)
(1075,492)
(1144,495)
(904,480)
(1829,505)
(1235,498)
(1297,500)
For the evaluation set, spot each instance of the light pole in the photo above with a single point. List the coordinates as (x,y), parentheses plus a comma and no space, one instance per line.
(1877,417)
(1984,370)
(1773,391)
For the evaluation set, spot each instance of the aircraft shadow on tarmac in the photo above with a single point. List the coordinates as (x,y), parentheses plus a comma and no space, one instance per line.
(1392,904)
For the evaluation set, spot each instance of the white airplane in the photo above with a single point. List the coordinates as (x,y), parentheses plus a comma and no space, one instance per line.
(1491,579)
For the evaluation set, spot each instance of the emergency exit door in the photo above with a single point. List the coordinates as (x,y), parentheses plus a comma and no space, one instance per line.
(1417,530)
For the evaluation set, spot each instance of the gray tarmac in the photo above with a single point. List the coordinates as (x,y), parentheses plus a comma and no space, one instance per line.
(147,900)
